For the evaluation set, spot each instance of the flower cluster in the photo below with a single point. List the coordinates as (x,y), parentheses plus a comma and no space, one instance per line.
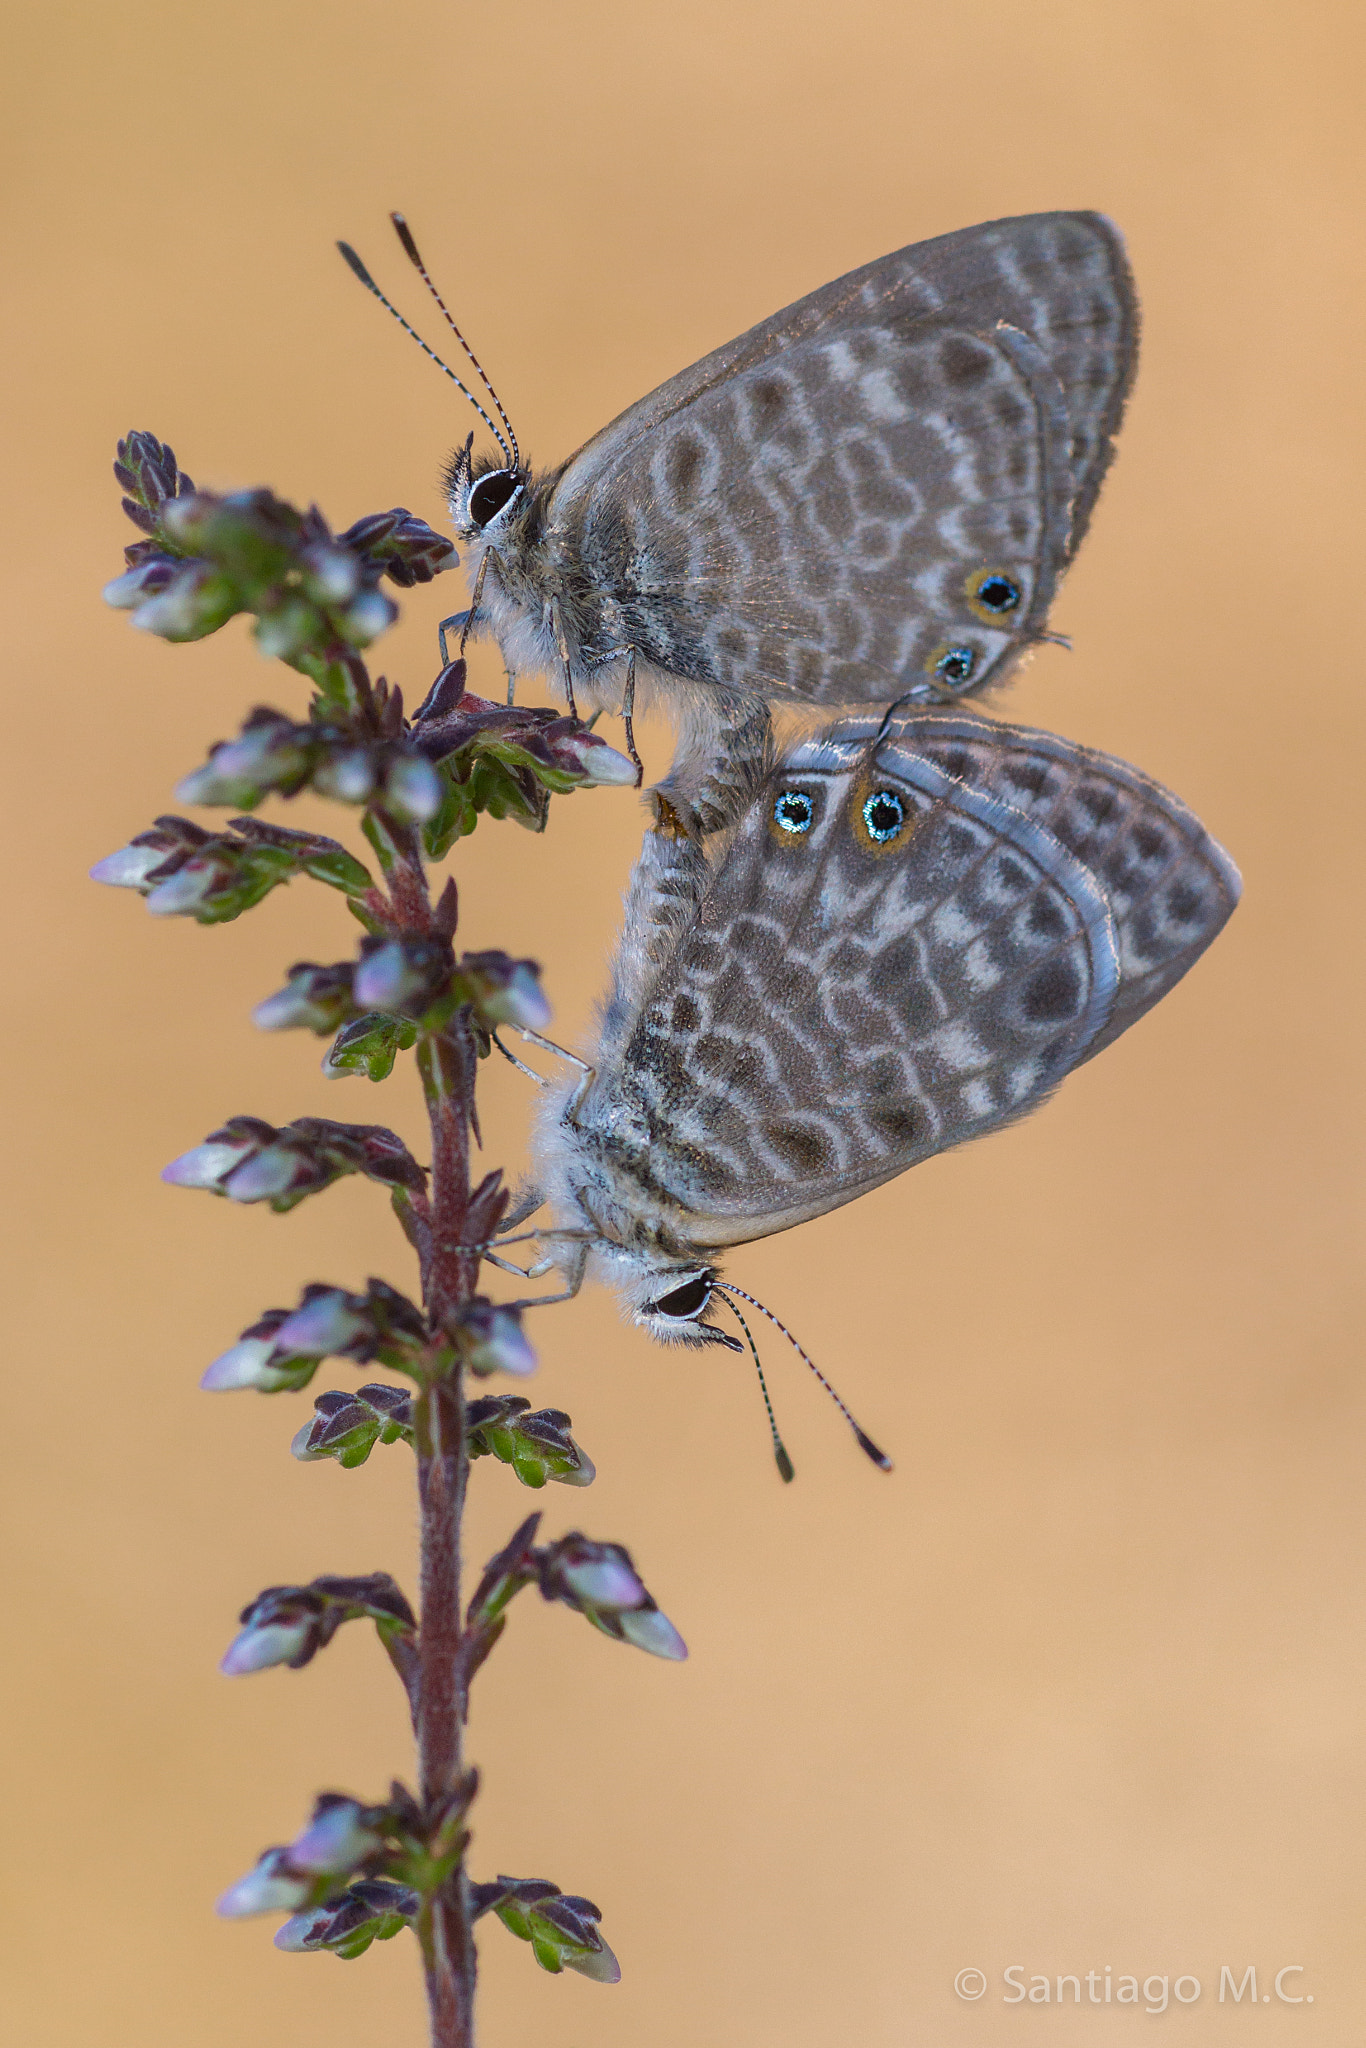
(251,1161)
(282,1350)
(396,988)
(337,1882)
(598,1580)
(290,1624)
(536,1443)
(507,760)
(274,756)
(207,557)
(184,871)
(562,1929)
(346,1841)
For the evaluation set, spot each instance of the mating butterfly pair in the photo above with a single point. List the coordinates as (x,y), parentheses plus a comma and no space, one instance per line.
(905,933)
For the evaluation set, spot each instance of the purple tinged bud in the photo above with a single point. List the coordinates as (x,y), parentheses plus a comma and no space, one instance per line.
(414,788)
(650,1630)
(347,777)
(386,978)
(129,867)
(272,1171)
(600,764)
(181,517)
(298,1935)
(244,1366)
(333,574)
(125,591)
(182,893)
(604,1583)
(522,1003)
(269,1888)
(205,1166)
(238,770)
(335,1842)
(257,1649)
(599,1964)
(502,1348)
(286,1010)
(368,617)
(323,1326)
(172,612)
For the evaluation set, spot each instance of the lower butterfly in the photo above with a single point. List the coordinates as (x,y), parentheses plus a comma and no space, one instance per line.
(916,929)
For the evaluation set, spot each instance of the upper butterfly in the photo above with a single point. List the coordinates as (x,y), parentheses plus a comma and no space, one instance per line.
(871,495)
(916,930)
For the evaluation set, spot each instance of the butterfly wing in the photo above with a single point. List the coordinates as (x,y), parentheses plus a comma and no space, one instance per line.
(1171,888)
(876,490)
(838,1008)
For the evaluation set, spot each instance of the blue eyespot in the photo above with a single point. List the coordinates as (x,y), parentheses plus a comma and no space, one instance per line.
(884,814)
(955,664)
(794,811)
(997,593)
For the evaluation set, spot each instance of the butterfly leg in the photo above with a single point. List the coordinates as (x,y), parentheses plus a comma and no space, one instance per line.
(527,1200)
(628,705)
(520,1065)
(474,600)
(549,1045)
(574,1277)
(460,619)
(557,628)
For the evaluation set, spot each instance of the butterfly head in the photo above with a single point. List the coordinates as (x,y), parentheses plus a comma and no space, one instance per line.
(672,1304)
(485,494)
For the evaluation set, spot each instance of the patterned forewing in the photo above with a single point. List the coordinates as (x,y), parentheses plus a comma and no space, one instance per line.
(1171,887)
(1060,277)
(880,510)
(837,1012)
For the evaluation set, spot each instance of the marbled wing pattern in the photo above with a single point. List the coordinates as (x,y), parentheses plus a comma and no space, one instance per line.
(824,526)
(918,964)
(1171,887)
(870,494)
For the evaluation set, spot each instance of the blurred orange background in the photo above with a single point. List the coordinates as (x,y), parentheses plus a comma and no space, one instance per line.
(1080,1686)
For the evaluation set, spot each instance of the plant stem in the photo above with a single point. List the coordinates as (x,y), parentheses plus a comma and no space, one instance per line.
(445,1930)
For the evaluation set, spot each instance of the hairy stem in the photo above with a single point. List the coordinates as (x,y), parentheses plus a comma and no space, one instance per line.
(449,1275)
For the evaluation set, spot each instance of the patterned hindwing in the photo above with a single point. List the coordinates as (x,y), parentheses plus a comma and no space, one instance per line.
(877,512)
(883,966)
(1170,887)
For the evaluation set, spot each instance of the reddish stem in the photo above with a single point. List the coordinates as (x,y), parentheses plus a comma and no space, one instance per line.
(450,1272)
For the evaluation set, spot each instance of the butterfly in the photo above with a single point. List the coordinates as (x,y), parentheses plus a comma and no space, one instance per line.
(915,930)
(870,496)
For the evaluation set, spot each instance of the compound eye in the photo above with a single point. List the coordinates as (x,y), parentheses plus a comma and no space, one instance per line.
(686,1301)
(491,494)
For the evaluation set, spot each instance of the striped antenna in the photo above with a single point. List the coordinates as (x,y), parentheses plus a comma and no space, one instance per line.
(864,1441)
(786,1469)
(405,235)
(363,274)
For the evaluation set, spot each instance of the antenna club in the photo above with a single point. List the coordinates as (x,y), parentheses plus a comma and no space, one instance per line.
(870,1449)
(405,235)
(787,1472)
(358,267)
